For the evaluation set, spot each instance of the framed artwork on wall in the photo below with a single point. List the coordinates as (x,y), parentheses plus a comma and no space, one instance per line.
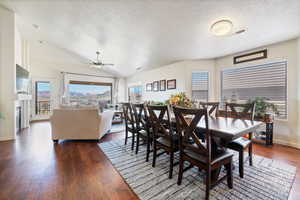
(149,87)
(162,85)
(155,86)
(171,84)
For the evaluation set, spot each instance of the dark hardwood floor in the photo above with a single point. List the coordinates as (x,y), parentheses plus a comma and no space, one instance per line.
(32,167)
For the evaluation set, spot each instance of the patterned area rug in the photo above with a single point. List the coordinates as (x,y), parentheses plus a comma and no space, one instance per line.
(266,179)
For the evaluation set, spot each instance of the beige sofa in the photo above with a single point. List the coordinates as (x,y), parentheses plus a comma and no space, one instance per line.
(80,123)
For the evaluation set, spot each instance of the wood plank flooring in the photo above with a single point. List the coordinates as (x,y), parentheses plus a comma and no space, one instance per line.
(32,167)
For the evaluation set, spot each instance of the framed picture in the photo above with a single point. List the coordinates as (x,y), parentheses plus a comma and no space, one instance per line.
(171,84)
(149,87)
(155,86)
(162,85)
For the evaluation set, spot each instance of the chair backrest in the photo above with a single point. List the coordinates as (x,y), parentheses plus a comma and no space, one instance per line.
(141,116)
(128,114)
(241,111)
(186,122)
(160,121)
(212,106)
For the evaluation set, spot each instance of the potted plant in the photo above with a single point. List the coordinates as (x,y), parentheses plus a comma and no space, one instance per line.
(264,110)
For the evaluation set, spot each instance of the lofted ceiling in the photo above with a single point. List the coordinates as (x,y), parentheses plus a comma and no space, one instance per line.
(152,33)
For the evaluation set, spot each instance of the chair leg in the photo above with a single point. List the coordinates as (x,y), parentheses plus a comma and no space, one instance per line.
(250,150)
(154,154)
(208,183)
(250,155)
(171,164)
(241,164)
(137,143)
(148,149)
(180,173)
(126,136)
(133,137)
(229,175)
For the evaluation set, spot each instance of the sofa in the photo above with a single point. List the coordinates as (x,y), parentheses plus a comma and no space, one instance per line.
(80,124)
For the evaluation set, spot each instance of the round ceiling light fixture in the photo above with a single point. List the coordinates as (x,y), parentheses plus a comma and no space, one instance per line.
(221,28)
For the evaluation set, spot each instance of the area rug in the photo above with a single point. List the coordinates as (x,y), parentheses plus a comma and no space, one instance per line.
(266,179)
(117,128)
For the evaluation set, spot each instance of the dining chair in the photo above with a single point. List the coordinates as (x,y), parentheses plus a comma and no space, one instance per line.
(143,127)
(213,107)
(163,134)
(197,153)
(241,111)
(130,125)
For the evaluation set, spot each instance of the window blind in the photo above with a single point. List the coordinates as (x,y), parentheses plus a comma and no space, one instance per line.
(200,86)
(267,80)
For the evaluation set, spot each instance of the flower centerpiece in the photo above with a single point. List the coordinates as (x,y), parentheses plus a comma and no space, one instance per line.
(180,99)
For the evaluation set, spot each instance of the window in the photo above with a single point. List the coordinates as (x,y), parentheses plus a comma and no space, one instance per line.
(135,94)
(200,86)
(90,93)
(42,98)
(267,80)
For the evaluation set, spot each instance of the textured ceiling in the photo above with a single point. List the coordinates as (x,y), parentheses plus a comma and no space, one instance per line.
(152,33)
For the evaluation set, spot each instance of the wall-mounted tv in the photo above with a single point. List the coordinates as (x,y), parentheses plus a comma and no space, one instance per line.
(22,79)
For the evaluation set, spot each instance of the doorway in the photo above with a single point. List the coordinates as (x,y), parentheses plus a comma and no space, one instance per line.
(42,99)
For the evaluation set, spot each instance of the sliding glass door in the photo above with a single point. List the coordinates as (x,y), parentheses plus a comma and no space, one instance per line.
(42,99)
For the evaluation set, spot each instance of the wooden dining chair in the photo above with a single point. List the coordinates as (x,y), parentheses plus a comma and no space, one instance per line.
(130,125)
(212,107)
(163,135)
(241,111)
(197,153)
(143,127)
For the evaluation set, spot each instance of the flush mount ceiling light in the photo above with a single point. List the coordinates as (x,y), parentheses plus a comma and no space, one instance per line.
(221,28)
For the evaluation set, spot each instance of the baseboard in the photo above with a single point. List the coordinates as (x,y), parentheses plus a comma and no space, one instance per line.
(286,143)
(7,138)
(40,120)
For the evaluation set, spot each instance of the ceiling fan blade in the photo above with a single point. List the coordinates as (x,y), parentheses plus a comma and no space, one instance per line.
(108,64)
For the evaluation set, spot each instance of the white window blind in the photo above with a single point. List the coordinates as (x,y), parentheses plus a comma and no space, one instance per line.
(200,86)
(267,80)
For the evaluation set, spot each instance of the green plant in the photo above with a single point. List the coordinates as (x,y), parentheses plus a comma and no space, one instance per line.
(262,106)
(1,116)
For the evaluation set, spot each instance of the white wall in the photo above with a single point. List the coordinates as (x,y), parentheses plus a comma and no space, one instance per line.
(181,71)
(7,74)
(285,131)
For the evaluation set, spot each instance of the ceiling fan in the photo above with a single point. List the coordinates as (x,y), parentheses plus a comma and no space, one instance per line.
(98,63)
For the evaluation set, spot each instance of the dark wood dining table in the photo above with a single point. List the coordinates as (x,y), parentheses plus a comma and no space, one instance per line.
(229,129)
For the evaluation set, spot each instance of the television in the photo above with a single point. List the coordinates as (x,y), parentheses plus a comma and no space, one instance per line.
(22,79)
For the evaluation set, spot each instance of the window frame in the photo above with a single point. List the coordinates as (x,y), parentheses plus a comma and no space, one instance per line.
(208,83)
(285,62)
(92,83)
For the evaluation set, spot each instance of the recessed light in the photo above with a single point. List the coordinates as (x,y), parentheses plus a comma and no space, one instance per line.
(221,27)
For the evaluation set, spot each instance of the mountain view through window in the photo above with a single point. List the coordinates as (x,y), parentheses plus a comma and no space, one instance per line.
(90,94)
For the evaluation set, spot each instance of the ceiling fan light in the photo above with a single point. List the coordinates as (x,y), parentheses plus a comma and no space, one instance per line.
(221,28)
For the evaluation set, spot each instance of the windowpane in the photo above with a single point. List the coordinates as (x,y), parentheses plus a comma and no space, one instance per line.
(42,98)
(135,94)
(200,86)
(90,94)
(268,80)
